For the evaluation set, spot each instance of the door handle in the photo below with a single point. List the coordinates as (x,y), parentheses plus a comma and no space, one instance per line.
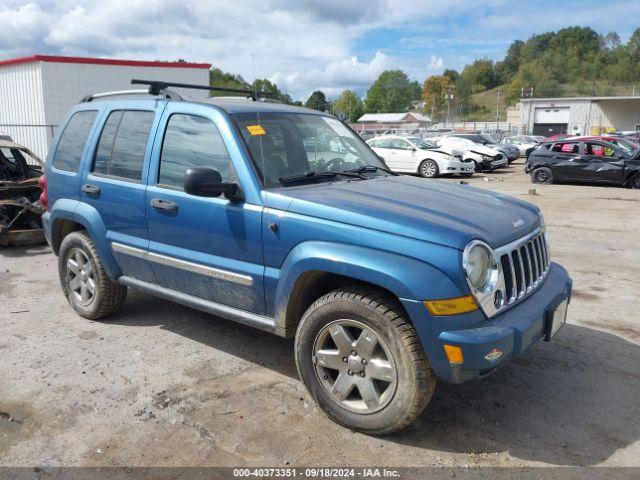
(90,189)
(164,205)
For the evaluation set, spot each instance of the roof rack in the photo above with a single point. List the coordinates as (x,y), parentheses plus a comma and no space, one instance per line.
(165,94)
(158,86)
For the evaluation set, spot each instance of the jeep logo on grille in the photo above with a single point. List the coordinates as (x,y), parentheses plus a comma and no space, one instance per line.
(518,223)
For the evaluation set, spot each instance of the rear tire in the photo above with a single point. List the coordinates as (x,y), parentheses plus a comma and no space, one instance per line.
(391,380)
(428,169)
(88,288)
(542,175)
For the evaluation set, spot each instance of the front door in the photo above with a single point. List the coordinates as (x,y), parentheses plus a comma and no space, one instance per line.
(599,163)
(206,247)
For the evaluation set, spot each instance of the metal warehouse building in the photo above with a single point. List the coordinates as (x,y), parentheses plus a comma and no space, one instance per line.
(36,92)
(579,115)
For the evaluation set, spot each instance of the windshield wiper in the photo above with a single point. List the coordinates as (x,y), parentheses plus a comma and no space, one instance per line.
(371,168)
(313,175)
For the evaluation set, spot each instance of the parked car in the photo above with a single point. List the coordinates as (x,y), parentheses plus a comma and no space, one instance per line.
(510,151)
(5,136)
(584,160)
(414,155)
(523,142)
(556,137)
(20,209)
(485,158)
(625,142)
(385,281)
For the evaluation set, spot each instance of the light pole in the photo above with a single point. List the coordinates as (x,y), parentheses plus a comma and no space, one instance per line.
(449,97)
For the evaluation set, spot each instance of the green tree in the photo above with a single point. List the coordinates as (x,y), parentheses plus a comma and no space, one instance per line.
(391,92)
(452,74)
(318,101)
(349,103)
(479,75)
(434,92)
(218,78)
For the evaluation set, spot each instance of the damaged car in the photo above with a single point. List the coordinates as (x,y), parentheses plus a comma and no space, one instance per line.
(20,189)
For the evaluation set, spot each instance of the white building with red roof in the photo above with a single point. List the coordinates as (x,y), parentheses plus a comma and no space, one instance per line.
(36,92)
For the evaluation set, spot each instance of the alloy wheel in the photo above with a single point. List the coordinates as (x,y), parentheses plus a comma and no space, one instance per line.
(354,366)
(428,169)
(80,276)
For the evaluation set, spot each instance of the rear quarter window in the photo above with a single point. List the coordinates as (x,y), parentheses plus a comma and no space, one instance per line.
(73,140)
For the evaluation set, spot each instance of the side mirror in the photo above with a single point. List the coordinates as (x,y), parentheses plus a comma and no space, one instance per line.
(207,182)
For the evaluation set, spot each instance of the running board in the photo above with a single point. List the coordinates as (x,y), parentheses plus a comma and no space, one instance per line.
(241,316)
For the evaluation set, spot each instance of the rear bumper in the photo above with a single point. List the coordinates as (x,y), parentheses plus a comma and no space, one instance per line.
(46,226)
(509,333)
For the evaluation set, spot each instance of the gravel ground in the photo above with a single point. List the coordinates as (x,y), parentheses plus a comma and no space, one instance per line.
(162,385)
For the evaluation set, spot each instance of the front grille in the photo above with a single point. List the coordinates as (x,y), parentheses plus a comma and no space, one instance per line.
(524,266)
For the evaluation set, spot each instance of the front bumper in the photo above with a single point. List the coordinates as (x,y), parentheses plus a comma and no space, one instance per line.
(510,333)
(459,167)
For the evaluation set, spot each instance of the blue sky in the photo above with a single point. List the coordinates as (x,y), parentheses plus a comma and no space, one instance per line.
(303,45)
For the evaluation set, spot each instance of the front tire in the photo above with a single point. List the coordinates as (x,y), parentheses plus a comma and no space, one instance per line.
(635,183)
(428,169)
(362,362)
(542,175)
(88,288)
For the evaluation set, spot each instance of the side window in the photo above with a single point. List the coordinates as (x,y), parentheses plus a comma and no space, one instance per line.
(73,140)
(122,144)
(400,144)
(383,143)
(373,143)
(566,147)
(192,141)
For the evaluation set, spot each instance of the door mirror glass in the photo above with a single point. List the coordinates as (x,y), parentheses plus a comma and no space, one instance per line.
(207,182)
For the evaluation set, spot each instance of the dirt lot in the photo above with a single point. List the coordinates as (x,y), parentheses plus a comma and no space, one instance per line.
(160,384)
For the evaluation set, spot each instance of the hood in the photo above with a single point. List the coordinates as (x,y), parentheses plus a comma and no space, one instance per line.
(507,149)
(429,210)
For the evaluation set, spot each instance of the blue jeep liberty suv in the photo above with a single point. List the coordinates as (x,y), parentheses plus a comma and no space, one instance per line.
(282,218)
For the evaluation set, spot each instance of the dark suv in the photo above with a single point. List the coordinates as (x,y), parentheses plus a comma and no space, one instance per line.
(585,160)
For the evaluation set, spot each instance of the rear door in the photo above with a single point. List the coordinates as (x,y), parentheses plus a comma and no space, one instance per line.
(114,181)
(206,247)
(566,163)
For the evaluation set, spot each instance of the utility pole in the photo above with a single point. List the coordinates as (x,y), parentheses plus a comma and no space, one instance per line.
(498,108)
(449,97)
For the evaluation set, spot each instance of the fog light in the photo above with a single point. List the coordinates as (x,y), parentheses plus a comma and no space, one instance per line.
(454,354)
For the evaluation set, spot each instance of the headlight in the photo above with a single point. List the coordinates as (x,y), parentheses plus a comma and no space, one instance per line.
(480,266)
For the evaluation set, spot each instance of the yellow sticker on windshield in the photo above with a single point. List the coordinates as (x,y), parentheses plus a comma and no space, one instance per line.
(256,129)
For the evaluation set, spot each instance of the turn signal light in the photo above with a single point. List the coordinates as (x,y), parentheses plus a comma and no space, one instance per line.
(454,354)
(451,306)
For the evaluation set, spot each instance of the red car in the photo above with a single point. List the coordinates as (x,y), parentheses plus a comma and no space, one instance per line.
(556,137)
(625,142)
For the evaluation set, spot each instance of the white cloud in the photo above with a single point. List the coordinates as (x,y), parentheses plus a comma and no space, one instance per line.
(335,76)
(435,64)
(301,44)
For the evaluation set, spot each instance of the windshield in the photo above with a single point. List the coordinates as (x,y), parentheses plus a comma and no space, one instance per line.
(488,139)
(421,144)
(292,144)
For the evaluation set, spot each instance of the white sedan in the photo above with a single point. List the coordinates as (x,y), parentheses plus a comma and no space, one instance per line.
(484,157)
(415,155)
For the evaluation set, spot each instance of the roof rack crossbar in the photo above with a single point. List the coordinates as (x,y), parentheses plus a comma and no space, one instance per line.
(95,96)
(157,86)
